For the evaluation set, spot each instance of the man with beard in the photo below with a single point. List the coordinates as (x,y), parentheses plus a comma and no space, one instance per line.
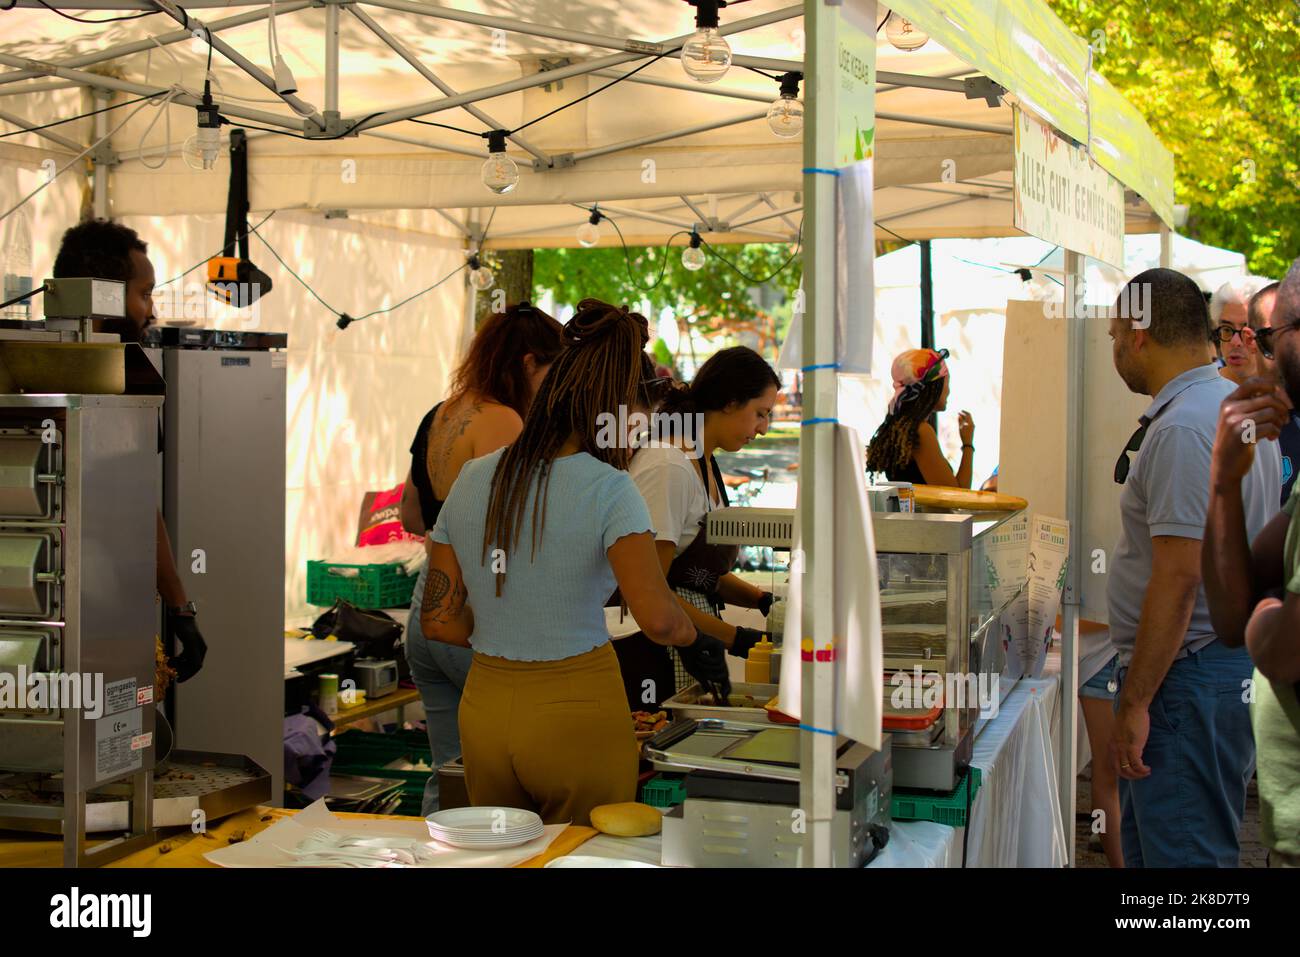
(1182,743)
(1261,321)
(99,249)
(1254,585)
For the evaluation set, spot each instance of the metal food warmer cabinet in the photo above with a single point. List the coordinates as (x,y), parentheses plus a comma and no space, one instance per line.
(942,614)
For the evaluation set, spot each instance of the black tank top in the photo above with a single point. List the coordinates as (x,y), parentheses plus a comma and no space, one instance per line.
(430,504)
(912,473)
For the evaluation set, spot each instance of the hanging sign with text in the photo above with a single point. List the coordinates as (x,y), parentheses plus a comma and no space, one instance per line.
(1063,197)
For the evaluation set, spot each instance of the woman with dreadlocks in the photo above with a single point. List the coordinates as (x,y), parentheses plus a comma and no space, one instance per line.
(905,447)
(531,541)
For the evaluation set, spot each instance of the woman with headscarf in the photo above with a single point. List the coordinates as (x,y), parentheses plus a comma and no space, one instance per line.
(905,447)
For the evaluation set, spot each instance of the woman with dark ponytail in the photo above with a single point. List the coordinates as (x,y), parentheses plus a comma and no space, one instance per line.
(531,541)
(729,403)
(905,447)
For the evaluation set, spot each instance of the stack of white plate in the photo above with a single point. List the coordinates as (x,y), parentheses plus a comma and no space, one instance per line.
(484,828)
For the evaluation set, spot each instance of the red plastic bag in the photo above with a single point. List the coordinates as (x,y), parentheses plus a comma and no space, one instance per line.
(380,521)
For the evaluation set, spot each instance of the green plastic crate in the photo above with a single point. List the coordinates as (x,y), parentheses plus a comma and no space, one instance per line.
(663,791)
(366,586)
(947,809)
(365,753)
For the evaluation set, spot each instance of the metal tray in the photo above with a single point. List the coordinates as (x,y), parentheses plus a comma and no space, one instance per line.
(216,784)
(692,702)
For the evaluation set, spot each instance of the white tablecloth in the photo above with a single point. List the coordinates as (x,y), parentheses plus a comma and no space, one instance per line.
(1016,819)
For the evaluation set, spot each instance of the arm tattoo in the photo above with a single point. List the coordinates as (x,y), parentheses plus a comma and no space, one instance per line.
(444,599)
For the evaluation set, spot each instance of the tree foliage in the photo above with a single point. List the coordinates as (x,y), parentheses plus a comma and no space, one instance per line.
(1219,82)
(710,300)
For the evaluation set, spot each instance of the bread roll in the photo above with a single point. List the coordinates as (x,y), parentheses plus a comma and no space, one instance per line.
(628,819)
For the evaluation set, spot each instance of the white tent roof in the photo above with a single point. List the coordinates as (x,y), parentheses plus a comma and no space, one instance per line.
(724,168)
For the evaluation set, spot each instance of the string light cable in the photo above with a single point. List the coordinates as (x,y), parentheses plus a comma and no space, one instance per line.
(76,159)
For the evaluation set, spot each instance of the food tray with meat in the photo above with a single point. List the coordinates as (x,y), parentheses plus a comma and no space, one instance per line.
(744,704)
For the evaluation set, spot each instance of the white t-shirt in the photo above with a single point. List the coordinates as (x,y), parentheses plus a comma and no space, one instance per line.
(673,490)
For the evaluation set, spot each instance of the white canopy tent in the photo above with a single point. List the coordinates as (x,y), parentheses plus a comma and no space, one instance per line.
(659,153)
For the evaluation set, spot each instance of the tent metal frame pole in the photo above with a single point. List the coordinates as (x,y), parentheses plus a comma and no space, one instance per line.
(142,5)
(55,138)
(460,227)
(784,218)
(816,512)
(1166,247)
(400,49)
(647,216)
(695,209)
(599,40)
(923,209)
(783,213)
(950,192)
(164,39)
(549,76)
(688,87)
(331,58)
(297,104)
(95,81)
(137,153)
(99,197)
(745,208)
(921,81)
(665,136)
(946,124)
(413,141)
(39,87)
(1076,355)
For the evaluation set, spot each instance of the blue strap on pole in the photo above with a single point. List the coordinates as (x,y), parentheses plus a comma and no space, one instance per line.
(809,727)
(818,421)
(824,172)
(821,365)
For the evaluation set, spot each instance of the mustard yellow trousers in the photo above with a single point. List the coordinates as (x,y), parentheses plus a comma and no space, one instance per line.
(554,737)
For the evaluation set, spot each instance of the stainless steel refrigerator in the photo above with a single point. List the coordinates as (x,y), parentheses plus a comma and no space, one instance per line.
(223,501)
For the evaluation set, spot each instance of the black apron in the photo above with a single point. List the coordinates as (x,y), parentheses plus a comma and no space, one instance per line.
(698,568)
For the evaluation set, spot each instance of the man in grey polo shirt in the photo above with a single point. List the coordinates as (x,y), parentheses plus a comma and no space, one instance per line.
(1182,743)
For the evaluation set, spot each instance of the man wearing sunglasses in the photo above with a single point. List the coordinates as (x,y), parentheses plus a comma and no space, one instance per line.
(1253,582)
(1182,744)
(1234,338)
(1260,313)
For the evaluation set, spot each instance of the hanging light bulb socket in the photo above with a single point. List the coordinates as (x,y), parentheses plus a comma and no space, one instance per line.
(706,55)
(500,174)
(207,140)
(480,276)
(589,232)
(785,115)
(693,255)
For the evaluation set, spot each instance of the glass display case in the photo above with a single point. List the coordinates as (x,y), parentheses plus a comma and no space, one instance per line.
(940,609)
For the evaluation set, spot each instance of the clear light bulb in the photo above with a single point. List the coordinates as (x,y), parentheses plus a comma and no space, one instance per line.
(903,33)
(588,234)
(785,116)
(481,278)
(693,258)
(500,174)
(706,56)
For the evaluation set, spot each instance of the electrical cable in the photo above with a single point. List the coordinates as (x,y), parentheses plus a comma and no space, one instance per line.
(446,127)
(779,269)
(377,312)
(68,16)
(72,162)
(299,136)
(627,256)
(587,95)
(204,260)
(905,242)
(289,270)
(72,119)
(27,295)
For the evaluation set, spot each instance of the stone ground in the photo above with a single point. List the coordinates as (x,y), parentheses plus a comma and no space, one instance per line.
(1253,853)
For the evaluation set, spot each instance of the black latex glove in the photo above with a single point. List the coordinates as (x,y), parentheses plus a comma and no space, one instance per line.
(705,660)
(185,630)
(765,603)
(747,638)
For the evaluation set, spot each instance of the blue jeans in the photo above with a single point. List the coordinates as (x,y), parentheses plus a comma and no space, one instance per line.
(439,671)
(1201,753)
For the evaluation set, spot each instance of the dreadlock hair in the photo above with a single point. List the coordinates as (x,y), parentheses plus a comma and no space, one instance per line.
(891,447)
(600,369)
(494,365)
